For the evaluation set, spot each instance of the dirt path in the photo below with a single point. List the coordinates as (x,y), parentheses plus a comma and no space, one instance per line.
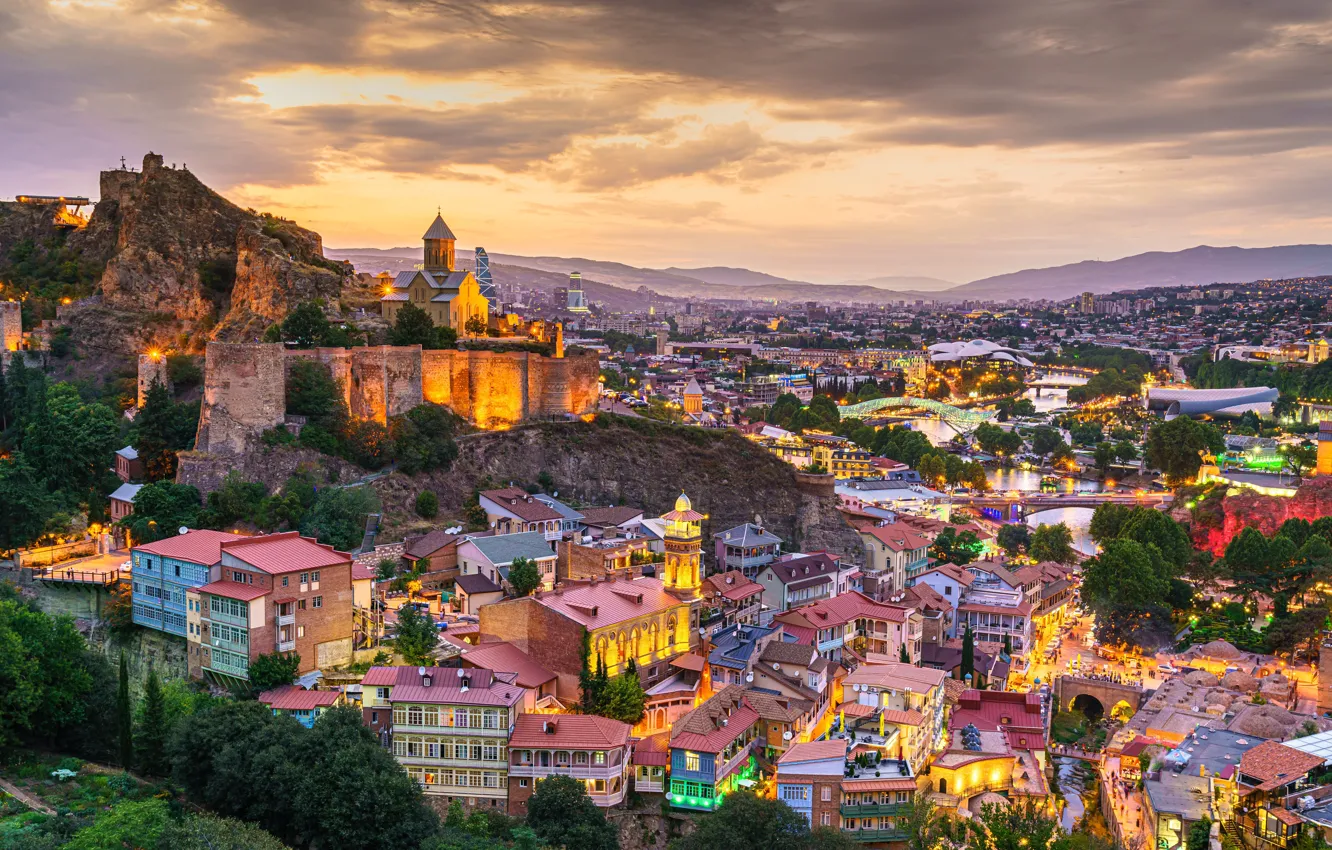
(25,798)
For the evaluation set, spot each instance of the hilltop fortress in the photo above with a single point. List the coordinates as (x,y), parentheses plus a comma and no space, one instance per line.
(244,391)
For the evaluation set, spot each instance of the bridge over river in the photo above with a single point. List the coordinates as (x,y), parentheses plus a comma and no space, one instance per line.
(1017,504)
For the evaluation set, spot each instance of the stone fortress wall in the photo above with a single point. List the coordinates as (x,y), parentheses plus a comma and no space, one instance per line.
(245,386)
(152,367)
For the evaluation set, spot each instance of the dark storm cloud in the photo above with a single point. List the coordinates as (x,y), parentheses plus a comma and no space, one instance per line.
(1178,78)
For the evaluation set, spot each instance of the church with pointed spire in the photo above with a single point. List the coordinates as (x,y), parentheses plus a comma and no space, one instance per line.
(449,296)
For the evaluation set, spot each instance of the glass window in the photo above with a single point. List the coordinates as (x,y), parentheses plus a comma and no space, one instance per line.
(317,602)
(691,761)
(314,576)
(305,578)
(414,715)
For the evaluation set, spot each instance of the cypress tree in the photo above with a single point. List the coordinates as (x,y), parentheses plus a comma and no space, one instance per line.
(968,653)
(124,719)
(903,657)
(152,737)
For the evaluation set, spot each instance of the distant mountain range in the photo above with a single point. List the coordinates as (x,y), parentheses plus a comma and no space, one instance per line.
(616,283)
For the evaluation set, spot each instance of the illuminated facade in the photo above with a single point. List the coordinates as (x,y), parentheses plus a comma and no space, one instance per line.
(577,302)
(682,572)
(450,296)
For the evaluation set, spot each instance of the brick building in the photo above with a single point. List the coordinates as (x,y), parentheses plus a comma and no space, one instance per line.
(276,593)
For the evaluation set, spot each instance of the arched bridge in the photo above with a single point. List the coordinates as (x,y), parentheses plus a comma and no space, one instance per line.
(1068,690)
(960,420)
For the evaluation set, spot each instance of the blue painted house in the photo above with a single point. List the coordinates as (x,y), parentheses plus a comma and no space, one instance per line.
(302,705)
(712,750)
(165,570)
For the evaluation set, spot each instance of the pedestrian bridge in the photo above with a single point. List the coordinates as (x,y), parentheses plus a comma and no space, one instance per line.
(961,420)
(1095,696)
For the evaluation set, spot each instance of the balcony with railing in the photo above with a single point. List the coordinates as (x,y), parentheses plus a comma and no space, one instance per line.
(223,662)
(865,810)
(576,771)
(286,646)
(897,833)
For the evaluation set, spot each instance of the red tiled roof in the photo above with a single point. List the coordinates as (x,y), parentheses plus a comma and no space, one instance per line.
(611,515)
(608,602)
(987,710)
(292,698)
(1274,764)
(725,716)
(855,709)
(361,572)
(285,553)
(486,687)
(903,718)
(689,661)
(833,748)
(234,590)
(504,657)
(800,569)
(653,750)
(733,585)
(802,634)
(897,536)
(197,547)
(952,571)
(521,504)
(846,607)
(574,731)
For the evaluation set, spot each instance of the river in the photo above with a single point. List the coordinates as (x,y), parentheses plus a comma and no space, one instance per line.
(1074,779)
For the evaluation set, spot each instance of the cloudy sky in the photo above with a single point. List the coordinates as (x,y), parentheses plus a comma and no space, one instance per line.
(822,140)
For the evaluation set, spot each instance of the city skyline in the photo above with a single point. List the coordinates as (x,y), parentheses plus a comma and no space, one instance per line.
(828,143)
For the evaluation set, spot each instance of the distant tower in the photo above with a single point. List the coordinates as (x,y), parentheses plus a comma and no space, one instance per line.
(693,397)
(439,247)
(486,282)
(682,572)
(152,367)
(577,301)
(1088,302)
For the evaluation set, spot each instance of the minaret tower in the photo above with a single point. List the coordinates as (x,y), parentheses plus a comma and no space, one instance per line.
(682,572)
(439,246)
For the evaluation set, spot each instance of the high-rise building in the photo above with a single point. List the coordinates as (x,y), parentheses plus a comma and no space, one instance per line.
(484,280)
(577,301)
(1088,304)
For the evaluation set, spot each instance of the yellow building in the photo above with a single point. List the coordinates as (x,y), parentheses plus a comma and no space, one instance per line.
(842,462)
(1324,448)
(683,571)
(449,296)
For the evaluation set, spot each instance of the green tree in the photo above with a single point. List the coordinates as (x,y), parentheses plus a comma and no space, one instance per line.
(922,823)
(338,516)
(129,823)
(312,393)
(24,503)
(162,428)
(1052,543)
(524,576)
(70,442)
(124,717)
(744,820)
(1299,459)
(1125,570)
(1018,825)
(207,832)
(968,665)
(423,438)
(153,728)
(305,326)
(427,504)
(160,509)
(563,815)
(1013,537)
(932,470)
(413,326)
(1176,447)
(273,669)
(1108,520)
(46,684)
(1146,525)
(1200,835)
(1045,440)
(1104,457)
(417,636)
(623,698)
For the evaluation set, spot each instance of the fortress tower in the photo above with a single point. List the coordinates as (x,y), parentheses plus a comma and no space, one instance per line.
(152,367)
(682,572)
(11,325)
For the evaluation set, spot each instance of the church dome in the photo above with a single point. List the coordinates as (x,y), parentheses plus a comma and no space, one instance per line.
(683,504)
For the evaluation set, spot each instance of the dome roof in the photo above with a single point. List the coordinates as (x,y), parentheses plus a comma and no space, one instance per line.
(683,504)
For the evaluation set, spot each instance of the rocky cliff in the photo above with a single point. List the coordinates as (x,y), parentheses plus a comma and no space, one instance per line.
(615,460)
(179,264)
(1243,508)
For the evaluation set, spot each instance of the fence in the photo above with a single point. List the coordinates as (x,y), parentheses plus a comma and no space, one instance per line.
(51,555)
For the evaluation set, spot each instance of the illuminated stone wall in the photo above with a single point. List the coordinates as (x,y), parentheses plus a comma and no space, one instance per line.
(152,367)
(494,389)
(11,325)
(244,394)
(245,386)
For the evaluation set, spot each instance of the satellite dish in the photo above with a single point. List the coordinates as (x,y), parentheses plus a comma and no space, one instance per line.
(184,529)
